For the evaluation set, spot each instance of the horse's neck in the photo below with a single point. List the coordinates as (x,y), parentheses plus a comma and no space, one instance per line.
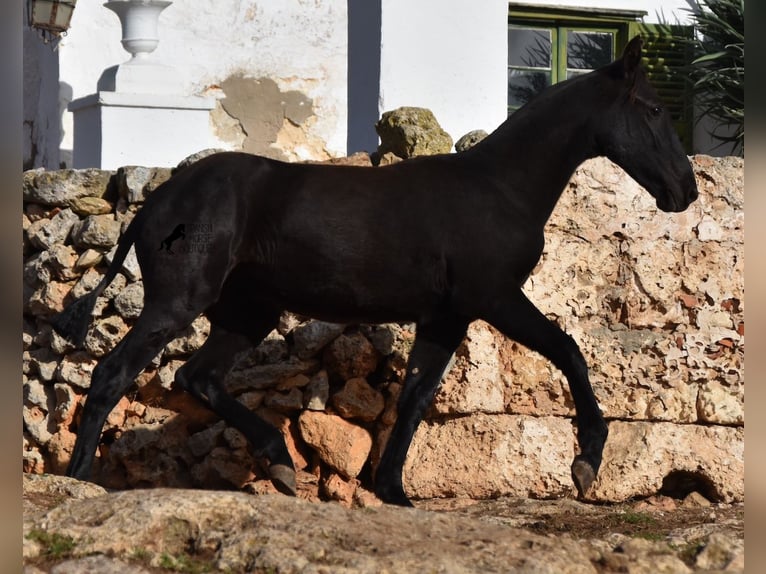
(536,151)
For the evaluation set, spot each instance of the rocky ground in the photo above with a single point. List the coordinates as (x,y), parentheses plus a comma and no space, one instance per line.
(73,527)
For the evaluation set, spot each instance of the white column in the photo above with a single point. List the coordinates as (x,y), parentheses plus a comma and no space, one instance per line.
(138,116)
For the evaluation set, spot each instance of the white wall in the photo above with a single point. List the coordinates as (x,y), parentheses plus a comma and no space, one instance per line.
(42,130)
(450,57)
(300,44)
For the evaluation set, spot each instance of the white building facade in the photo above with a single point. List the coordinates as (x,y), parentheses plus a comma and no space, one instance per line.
(294,79)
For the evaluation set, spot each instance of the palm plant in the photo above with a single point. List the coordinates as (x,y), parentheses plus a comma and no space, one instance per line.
(718,69)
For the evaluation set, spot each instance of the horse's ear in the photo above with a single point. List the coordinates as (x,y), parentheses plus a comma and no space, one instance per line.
(631,56)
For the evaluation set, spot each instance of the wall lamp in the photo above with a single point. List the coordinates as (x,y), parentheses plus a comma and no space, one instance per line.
(50,17)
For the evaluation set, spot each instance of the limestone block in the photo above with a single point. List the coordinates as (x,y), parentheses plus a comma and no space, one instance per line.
(473,382)
(484,456)
(638,456)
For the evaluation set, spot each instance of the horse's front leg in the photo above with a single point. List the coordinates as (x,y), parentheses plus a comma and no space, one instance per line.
(435,342)
(521,321)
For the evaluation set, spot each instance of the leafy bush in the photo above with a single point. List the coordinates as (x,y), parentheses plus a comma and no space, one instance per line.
(718,68)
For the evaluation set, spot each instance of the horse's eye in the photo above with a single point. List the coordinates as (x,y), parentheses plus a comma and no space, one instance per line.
(655,110)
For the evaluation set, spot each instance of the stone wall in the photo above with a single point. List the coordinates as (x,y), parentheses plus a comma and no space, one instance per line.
(655,300)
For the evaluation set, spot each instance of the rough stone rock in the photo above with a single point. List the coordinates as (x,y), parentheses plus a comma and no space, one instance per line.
(342,445)
(470,139)
(349,356)
(196,156)
(335,487)
(310,337)
(359,158)
(291,400)
(317,392)
(61,259)
(104,335)
(387,158)
(291,432)
(75,369)
(67,401)
(135,183)
(60,447)
(204,441)
(48,299)
(262,377)
(721,552)
(43,362)
(130,266)
(224,468)
(358,400)
(190,340)
(60,187)
(45,233)
(509,454)
(97,231)
(130,301)
(89,205)
(273,349)
(410,132)
(87,259)
(236,532)
(39,426)
(385,338)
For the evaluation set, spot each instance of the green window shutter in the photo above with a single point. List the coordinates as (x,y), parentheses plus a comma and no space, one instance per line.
(666,54)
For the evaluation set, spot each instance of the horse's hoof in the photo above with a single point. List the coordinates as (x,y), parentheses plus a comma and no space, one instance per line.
(583,475)
(283,478)
(394,496)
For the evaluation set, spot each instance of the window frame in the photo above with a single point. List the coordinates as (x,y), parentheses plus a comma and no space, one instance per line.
(559,33)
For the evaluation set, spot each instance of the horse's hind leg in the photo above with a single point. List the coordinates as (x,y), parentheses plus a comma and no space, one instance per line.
(521,321)
(435,342)
(112,377)
(203,377)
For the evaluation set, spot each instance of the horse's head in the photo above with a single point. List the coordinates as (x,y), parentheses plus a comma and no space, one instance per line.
(637,134)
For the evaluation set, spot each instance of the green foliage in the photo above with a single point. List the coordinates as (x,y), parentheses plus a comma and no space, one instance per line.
(54,545)
(718,68)
(183,563)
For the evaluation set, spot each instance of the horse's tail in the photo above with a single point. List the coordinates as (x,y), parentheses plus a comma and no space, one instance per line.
(72,323)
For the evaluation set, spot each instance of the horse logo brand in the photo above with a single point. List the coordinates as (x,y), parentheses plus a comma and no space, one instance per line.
(178,233)
(194,238)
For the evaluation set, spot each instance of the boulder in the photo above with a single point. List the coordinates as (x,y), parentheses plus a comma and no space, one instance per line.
(411,131)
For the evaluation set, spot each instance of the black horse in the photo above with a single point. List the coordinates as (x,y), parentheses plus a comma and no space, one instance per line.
(439,241)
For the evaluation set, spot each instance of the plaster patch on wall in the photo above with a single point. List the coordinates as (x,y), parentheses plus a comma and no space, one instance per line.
(264,120)
(298,142)
(227,128)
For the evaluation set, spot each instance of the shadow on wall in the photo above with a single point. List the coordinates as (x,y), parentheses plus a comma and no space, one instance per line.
(363,84)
